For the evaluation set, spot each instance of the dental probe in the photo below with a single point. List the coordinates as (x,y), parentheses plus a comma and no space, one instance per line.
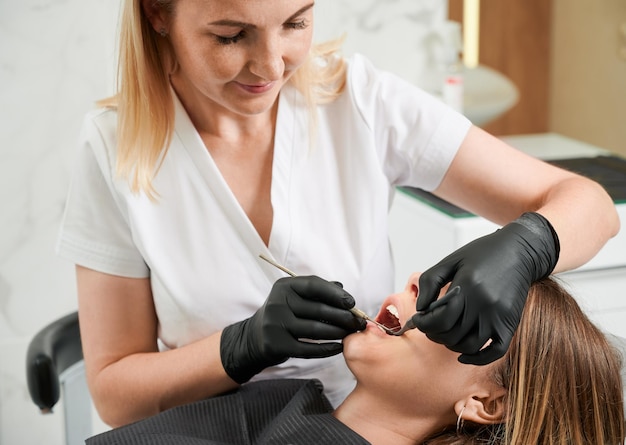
(356,312)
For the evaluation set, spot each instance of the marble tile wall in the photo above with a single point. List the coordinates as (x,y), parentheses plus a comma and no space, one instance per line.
(56,58)
(397,35)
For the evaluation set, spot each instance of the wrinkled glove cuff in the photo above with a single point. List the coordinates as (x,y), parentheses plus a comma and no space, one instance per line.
(236,361)
(547,237)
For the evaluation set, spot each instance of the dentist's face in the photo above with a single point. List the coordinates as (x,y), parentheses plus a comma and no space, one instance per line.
(238,54)
(410,368)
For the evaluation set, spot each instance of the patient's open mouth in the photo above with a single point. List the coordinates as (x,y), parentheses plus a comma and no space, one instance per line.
(389,317)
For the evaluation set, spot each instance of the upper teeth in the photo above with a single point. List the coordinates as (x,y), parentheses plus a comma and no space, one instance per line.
(392,310)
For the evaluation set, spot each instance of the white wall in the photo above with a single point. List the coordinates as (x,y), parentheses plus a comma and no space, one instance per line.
(56,59)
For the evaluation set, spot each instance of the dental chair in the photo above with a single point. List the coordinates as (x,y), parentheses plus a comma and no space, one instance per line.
(55,369)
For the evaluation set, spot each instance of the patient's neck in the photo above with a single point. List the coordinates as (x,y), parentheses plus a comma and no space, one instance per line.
(382,422)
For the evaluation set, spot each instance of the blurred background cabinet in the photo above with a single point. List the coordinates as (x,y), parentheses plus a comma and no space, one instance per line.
(568,61)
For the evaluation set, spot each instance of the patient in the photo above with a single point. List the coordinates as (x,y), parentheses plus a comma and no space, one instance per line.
(559,383)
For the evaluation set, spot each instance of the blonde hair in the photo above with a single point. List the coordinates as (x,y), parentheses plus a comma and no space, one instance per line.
(562,376)
(144,101)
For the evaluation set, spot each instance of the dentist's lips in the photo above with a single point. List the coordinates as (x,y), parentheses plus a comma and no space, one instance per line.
(257,88)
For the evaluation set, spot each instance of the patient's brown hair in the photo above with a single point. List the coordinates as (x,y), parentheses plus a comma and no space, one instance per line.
(563,380)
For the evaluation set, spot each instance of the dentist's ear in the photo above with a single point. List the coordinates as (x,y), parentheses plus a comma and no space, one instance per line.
(485,407)
(156,15)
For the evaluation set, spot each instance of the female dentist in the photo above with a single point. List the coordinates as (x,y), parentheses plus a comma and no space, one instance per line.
(231,135)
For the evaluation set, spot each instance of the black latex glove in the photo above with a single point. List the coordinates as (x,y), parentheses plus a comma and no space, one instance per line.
(305,307)
(494,274)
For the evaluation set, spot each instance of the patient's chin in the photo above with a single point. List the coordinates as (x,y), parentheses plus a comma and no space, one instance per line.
(355,344)
(361,345)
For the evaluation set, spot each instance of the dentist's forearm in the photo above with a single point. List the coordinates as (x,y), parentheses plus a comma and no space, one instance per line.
(584,217)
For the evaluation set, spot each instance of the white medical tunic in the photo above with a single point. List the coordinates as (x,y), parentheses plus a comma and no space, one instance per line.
(330,196)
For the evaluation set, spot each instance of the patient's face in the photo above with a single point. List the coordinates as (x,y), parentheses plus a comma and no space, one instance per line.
(410,367)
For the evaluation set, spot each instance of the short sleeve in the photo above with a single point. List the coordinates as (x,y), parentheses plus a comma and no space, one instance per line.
(95,232)
(417,135)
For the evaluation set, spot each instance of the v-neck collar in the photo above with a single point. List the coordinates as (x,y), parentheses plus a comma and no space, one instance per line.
(286,137)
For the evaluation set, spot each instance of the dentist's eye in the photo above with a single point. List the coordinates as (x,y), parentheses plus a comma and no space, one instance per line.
(229,40)
(302,24)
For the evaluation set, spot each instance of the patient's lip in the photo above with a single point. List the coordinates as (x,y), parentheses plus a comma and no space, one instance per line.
(377,330)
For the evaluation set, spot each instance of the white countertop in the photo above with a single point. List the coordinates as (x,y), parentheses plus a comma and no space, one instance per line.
(549,146)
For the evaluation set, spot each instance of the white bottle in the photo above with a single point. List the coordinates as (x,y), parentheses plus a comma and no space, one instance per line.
(452,89)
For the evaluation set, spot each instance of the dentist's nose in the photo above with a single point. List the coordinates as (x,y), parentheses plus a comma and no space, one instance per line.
(267,60)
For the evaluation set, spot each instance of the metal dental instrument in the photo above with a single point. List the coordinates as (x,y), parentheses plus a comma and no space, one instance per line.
(356,312)
(410,324)
(359,313)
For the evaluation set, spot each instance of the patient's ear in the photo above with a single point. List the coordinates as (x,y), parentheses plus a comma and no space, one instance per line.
(486,407)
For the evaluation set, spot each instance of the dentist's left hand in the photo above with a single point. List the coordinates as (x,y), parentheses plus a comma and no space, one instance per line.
(490,278)
(305,307)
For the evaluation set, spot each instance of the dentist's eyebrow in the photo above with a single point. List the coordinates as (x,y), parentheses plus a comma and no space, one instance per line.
(301,11)
(238,24)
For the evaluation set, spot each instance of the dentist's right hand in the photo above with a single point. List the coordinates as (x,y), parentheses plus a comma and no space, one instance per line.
(303,307)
